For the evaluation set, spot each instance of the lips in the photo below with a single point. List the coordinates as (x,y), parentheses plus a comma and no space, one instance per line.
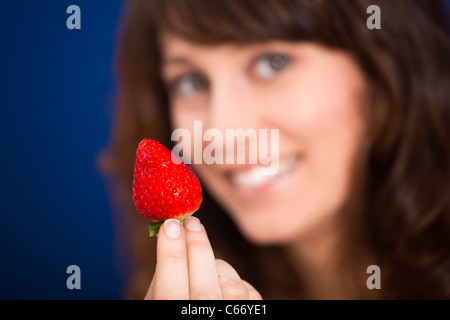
(253,178)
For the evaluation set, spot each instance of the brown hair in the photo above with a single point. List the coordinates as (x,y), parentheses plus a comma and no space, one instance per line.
(401,198)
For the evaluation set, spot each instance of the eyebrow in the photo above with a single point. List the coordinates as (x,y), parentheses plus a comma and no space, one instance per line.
(175,60)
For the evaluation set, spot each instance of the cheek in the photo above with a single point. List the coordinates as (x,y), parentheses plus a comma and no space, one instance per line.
(181,118)
(184,133)
(320,112)
(329,130)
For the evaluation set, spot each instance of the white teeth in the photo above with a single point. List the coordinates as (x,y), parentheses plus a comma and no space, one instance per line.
(253,178)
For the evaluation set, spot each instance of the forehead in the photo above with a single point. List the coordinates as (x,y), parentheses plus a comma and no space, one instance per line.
(171,44)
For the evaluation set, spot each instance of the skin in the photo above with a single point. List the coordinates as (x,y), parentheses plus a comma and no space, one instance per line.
(315,101)
(187,269)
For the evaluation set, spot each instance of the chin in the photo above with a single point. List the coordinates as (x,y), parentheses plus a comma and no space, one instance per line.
(267,228)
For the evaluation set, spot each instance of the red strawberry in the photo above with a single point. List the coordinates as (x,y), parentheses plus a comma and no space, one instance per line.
(163,189)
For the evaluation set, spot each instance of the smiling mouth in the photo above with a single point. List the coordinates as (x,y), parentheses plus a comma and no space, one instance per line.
(252,180)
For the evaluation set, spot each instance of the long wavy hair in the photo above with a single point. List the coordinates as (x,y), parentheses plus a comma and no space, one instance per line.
(399,206)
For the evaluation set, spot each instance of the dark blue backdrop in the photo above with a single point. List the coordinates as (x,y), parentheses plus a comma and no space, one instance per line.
(57,94)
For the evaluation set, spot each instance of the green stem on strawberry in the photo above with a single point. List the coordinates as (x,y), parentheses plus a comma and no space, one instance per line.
(154,228)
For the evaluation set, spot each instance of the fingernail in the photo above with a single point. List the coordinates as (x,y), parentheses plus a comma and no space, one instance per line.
(172,228)
(193,224)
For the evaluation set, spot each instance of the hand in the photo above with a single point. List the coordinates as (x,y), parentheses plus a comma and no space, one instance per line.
(187,269)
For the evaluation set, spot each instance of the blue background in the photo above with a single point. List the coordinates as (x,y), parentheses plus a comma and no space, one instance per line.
(56,105)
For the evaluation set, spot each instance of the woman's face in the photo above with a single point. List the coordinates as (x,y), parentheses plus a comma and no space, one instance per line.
(311,94)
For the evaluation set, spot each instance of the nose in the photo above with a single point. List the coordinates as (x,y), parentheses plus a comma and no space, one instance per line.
(232,112)
(231,104)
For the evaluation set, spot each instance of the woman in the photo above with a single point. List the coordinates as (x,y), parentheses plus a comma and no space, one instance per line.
(363,141)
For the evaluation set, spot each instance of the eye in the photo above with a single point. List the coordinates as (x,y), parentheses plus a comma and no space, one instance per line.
(269,65)
(188,84)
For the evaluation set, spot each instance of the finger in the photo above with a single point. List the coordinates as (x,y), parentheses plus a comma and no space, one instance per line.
(231,284)
(151,288)
(171,273)
(253,294)
(203,279)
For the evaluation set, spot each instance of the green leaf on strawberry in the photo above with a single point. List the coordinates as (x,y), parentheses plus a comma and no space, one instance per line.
(153,228)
